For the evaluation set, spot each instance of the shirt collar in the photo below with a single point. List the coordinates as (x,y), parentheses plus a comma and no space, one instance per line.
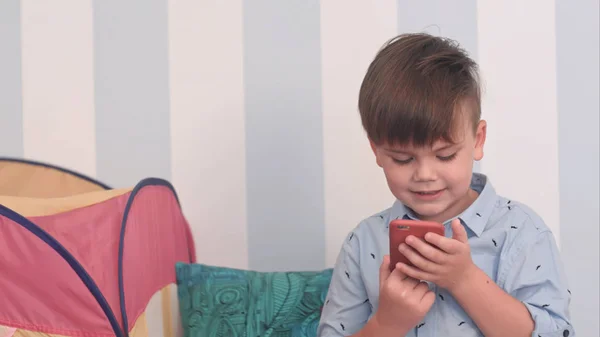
(475,217)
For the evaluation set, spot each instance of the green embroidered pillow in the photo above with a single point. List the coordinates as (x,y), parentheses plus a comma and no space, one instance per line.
(222,302)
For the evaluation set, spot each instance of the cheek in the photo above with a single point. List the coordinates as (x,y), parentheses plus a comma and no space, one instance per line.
(459,174)
(396,176)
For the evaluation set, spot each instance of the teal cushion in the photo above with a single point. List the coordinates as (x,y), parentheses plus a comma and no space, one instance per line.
(220,302)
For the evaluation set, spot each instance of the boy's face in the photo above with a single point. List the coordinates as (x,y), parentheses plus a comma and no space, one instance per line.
(433,181)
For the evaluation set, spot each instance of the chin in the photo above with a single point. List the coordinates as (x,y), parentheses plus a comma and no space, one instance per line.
(428,212)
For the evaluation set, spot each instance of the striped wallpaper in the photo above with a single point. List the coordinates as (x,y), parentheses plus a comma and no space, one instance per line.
(250,110)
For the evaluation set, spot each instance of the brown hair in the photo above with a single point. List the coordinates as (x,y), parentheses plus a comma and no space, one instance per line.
(415,91)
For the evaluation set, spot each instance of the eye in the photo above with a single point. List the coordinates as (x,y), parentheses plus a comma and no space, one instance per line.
(447,158)
(402,161)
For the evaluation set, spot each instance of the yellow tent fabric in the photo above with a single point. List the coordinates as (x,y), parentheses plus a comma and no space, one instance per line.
(39,180)
(47,206)
(139,330)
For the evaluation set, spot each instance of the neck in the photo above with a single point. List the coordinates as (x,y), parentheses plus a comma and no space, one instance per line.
(455,209)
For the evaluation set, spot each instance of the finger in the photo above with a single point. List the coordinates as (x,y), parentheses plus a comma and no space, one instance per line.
(417,259)
(428,251)
(447,245)
(421,288)
(428,299)
(399,276)
(414,272)
(458,231)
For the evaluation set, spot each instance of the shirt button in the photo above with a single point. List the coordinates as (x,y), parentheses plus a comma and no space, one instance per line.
(566,333)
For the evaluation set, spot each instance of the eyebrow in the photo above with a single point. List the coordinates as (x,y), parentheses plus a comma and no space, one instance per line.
(436,150)
(448,146)
(395,151)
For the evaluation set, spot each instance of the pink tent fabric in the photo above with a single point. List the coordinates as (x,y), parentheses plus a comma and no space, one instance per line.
(40,290)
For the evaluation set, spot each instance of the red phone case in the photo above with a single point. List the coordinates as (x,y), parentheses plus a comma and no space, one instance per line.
(400,229)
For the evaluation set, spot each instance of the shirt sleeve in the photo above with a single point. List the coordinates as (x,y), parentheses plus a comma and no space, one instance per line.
(346,308)
(537,278)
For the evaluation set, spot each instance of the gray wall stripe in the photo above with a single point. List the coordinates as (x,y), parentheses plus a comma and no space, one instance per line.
(578,108)
(132,90)
(453,19)
(284,142)
(11,112)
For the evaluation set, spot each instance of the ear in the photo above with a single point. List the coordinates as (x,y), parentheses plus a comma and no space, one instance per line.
(375,152)
(480,135)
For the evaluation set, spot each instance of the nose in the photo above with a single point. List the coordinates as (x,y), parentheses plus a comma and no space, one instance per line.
(425,172)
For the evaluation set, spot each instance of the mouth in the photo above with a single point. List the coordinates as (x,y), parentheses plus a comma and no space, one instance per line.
(429,194)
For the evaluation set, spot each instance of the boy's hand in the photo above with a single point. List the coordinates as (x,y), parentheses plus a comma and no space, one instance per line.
(403,301)
(444,261)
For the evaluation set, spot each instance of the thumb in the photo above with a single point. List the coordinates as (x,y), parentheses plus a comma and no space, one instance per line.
(458,231)
(384,269)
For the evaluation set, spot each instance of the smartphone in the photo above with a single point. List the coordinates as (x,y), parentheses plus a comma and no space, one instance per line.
(400,229)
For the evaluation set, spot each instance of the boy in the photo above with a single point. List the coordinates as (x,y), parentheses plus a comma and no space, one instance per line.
(497,271)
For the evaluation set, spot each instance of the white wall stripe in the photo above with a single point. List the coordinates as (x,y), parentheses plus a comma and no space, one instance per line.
(207,125)
(354,185)
(518,64)
(57,77)
(154,315)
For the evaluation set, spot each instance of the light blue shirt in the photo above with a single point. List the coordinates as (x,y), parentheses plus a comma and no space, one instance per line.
(508,241)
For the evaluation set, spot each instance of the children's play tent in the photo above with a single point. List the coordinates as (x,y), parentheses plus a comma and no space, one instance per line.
(78,258)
